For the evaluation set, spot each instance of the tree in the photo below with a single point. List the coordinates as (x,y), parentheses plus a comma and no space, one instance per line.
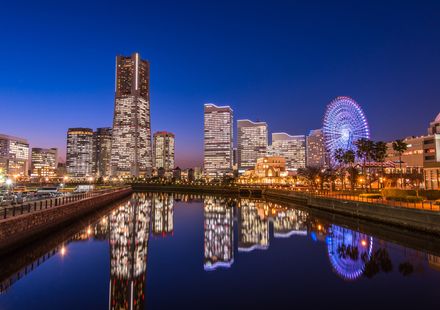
(364,151)
(349,158)
(329,175)
(380,153)
(339,157)
(415,178)
(400,147)
(310,173)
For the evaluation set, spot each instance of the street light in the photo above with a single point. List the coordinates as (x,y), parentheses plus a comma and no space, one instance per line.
(8,183)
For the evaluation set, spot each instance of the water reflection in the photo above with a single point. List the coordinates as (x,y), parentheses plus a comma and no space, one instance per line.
(254,226)
(219,234)
(348,251)
(129,234)
(163,214)
(290,222)
(352,255)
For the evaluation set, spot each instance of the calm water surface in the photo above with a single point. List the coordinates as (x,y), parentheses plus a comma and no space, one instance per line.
(165,251)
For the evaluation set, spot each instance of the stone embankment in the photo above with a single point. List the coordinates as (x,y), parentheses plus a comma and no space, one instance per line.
(409,218)
(18,230)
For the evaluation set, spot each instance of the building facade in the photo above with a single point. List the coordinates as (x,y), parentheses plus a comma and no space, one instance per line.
(218,137)
(163,150)
(79,155)
(44,162)
(102,147)
(412,158)
(14,156)
(434,126)
(292,148)
(131,138)
(315,149)
(252,143)
(431,161)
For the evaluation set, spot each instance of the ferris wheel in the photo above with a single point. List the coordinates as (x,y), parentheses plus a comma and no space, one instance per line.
(344,124)
(348,251)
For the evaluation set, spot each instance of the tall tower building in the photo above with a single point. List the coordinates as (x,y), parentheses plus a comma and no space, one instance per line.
(79,156)
(163,150)
(102,145)
(14,155)
(44,162)
(218,135)
(252,143)
(292,148)
(316,154)
(131,140)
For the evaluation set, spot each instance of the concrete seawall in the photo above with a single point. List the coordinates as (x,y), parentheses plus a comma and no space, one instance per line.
(16,231)
(408,218)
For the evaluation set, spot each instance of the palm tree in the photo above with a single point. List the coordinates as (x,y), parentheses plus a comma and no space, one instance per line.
(364,151)
(380,153)
(339,157)
(400,147)
(349,158)
(310,173)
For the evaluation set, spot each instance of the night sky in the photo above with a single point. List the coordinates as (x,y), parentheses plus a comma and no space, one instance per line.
(274,61)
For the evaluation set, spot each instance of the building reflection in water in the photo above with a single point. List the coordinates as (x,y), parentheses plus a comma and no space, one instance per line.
(163,214)
(127,227)
(218,233)
(348,251)
(254,226)
(290,222)
(129,234)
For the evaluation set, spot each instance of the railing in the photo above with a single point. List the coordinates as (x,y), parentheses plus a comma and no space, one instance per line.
(307,193)
(32,206)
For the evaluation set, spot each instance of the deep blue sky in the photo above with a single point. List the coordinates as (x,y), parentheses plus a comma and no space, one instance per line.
(277,61)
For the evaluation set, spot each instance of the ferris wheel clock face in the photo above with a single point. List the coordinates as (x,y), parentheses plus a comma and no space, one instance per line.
(344,124)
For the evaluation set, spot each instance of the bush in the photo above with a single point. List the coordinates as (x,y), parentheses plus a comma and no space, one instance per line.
(431,194)
(397,192)
(406,198)
(371,196)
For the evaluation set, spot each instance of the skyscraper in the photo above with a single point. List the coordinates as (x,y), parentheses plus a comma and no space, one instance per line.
(14,155)
(252,143)
(44,162)
(292,148)
(163,150)
(131,140)
(316,154)
(218,135)
(102,143)
(79,156)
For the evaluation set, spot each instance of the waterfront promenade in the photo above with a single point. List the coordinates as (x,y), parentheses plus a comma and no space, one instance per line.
(424,217)
(28,222)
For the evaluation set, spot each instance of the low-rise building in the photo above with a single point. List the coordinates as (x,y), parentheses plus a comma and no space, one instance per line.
(268,170)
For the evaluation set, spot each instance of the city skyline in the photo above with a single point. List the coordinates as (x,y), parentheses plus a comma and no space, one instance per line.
(374,67)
